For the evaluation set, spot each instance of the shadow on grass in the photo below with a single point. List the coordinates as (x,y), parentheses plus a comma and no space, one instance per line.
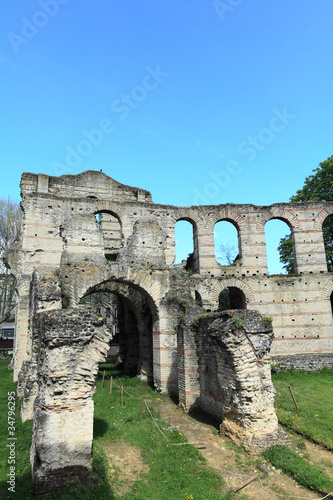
(23,488)
(100,427)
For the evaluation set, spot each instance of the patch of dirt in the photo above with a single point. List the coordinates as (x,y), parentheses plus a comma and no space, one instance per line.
(126,465)
(229,460)
(320,457)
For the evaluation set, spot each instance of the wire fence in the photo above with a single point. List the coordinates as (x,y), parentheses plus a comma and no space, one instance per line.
(251,476)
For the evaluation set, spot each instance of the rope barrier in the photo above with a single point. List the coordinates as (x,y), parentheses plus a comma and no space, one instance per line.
(267,491)
(219,468)
(306,397)
(301,498)
(155,421)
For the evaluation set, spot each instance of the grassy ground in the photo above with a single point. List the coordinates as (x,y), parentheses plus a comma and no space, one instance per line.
(164,467)
(313,419)
(169,469)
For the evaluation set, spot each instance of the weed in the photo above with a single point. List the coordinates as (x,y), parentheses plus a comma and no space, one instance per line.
(267,319)
(238,321)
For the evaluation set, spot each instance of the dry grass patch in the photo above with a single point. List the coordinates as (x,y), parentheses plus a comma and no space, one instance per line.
(126,465)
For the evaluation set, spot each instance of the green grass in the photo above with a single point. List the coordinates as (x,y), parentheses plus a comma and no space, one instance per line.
(312,419)
(22,433)
(176,472)
(295,466)
(173,471)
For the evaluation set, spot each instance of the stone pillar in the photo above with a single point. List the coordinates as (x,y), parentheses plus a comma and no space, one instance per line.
(252,249)
(165,348)
(309,251)
(188,357)
(72,344)
(235,378)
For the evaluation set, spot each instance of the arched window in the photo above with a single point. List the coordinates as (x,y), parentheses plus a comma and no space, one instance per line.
(110,225)
(232,298)
(279,247)
(328,241)
(184,240)
(226,243)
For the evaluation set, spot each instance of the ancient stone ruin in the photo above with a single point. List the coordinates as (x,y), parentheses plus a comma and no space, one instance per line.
(87,233)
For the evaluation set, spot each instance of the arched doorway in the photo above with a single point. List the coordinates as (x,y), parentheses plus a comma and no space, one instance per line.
(128,314)
(232,298)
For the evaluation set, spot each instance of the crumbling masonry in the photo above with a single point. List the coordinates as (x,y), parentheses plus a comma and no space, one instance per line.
(85,233)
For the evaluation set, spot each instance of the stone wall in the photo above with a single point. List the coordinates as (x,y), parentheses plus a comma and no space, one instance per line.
(235,377)
(302,362)
(87,232)
(63,238)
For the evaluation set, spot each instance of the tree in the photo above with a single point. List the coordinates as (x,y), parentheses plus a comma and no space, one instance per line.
(285,250)
(227,254)
(10,227)
(317,187)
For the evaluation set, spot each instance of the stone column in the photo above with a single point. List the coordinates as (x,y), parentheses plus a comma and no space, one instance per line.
(235,377)
(72,344)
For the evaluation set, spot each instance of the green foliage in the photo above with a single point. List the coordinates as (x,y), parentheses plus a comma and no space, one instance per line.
(285,250)
(23,431)
(295,466)
(317,187)
(173,471)
(238,321)
(312,419)
(267,319)
(65,298)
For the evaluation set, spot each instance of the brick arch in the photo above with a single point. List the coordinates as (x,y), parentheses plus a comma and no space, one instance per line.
(327,291)
(186,214)
(107,206)
(278,213)
(321,217)
(225,214)
(151,289)
(122,289)
(205,293)
(231,282)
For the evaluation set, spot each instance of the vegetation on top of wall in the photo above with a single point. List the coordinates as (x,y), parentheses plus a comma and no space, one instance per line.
(238,321)
(267,319)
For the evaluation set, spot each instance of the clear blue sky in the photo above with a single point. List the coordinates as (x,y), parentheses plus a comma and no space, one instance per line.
(200,102)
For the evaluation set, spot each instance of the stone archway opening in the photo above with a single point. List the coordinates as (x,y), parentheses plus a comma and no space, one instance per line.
(279,246)
(328,241)
(110,226)
(226,242)
(186,245)
(73,342)
(128,317)
(232,298)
